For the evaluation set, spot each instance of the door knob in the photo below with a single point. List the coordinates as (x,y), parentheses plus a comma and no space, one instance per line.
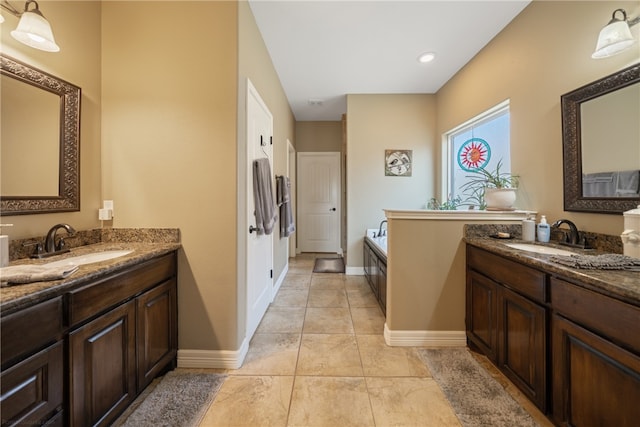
(332,209)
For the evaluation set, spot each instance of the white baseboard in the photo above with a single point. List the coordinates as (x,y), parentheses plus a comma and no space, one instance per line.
(354,271)
(278,283)
(424,338)
(213,359)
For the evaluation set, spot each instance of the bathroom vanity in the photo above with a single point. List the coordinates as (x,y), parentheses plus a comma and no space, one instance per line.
(78,351)
(568,339)
(375,269)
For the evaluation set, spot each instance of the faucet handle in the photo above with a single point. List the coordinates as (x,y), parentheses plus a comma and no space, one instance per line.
(38,250)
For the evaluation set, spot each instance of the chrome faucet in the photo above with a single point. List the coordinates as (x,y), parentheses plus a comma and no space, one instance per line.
(50,244)
(574,235)
(384,221)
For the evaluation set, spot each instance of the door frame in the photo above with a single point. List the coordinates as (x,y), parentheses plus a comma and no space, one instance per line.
(291,173)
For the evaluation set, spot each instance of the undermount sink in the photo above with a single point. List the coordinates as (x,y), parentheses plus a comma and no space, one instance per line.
(546,250)
(90,258)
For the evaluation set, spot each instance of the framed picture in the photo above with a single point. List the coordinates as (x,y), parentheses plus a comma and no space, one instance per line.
(397,162)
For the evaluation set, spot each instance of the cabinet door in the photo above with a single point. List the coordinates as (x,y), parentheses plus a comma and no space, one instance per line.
(366,261)
(522,345)
(157,331)
(481,313)
(102,361)
(382,286)
(32,390)
(595,383)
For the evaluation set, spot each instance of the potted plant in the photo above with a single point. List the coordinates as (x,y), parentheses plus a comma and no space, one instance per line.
(492,189)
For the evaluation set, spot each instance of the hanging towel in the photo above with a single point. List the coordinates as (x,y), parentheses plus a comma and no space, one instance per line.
(287,225)
(282,190)
(265,208)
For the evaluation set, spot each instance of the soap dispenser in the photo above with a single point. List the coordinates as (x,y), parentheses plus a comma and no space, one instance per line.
(544,230)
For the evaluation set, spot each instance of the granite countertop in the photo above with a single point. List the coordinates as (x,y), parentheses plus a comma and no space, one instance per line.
(620,284)
(15,297)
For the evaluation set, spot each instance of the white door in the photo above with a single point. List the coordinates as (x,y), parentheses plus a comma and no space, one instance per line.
(319,202)
(259,247)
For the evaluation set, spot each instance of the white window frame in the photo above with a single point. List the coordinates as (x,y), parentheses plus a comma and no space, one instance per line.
(446,162)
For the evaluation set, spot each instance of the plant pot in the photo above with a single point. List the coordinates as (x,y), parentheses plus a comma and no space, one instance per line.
(499,199)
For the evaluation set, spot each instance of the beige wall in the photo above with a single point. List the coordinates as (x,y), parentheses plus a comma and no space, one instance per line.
(318,136)
(254,63)
(376,123)
(544,53)
(76,27)
(169,146)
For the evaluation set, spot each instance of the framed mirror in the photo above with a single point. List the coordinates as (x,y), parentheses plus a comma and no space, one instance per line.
(601,144)
(40,141)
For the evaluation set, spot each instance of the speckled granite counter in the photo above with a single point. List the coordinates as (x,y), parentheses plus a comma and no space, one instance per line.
(623,285)
(146,245)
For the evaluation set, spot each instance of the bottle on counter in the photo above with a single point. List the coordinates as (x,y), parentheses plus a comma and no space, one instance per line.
(544,230)
(529,228)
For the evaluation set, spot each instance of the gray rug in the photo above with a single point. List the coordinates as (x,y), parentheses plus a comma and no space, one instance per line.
(476,398)
(180,398)
(329,265)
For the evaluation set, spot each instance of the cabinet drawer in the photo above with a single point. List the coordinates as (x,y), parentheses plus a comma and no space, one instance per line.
(610,317)
(32,390)
(31,329)
(527,281)
(97,297)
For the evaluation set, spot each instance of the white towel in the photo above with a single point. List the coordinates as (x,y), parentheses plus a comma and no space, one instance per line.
(265,208)
(28,273)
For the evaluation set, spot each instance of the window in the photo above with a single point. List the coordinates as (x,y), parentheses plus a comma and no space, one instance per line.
(481,142)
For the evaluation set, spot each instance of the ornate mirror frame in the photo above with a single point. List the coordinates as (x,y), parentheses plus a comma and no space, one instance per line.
(68,198)
(571,143)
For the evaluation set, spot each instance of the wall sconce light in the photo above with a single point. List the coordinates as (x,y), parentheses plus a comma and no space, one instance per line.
(33,29)
(615,36)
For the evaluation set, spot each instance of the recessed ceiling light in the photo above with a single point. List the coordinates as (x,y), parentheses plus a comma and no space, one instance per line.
(426,57)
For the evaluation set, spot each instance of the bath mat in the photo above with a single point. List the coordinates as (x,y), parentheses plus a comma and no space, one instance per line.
(180,398)
(476,398)
(329,265)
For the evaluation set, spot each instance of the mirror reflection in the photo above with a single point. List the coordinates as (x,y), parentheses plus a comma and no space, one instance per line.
(29,140)
(610,136)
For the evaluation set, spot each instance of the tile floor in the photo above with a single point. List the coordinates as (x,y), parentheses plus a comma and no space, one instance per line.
(319,359)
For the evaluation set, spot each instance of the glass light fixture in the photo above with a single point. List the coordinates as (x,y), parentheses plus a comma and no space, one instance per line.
(1,19)
(615,36)
(33,29)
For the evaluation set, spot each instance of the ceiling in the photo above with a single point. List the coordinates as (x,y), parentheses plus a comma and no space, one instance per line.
(323,50)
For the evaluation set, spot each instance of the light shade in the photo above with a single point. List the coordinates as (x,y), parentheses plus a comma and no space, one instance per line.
(35,31)
(1,19)
(614,38)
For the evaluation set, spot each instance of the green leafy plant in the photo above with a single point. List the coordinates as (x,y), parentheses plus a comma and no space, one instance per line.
(482,179)
(451,204)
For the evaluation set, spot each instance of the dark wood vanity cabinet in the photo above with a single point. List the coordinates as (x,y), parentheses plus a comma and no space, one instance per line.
(596,362)
(375,271)
(122,340)
(573,351)
(33,365)
(81,358)
(507,321)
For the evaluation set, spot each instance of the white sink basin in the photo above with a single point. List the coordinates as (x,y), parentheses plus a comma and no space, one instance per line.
(546,250)
(90,258)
